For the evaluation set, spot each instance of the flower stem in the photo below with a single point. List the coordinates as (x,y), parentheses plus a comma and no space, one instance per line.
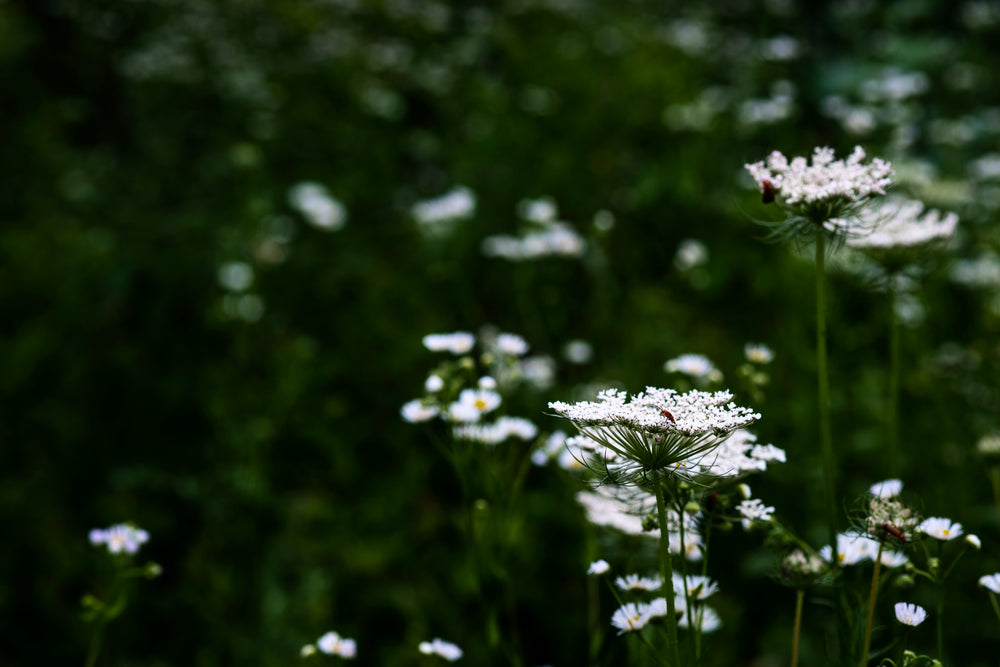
(995,481)
(892,404)
(996,605)
(940,606)
(667,570)
(826,439)
(95,644)
(871,606)
(800,595)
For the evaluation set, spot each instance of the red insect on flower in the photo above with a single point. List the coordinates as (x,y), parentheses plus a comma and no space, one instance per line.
(895,532)
(666,413)
(767,192)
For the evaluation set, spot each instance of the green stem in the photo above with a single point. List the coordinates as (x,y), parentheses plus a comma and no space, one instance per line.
(872,595)
(667,570)
(940,607)
(693,626)
(800,595)
(996,605)
(95,643)
(826,439)
(892,404)
(995,480)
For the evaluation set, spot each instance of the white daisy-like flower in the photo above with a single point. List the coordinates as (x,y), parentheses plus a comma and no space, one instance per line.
(852,548)
(599,567)
(603,509)
(121,538)
(457,343)
(705,619)
(487,382)
(511,344)
(317,206)
(633,582)
(441,648)
(889,488)
(697,366)
(940,528)
(894,559)
(826,191)
(693,545)
(991,582)
(472,404)
(333,644)
(630,617)
(910,614)
(416,411)
(433,384)
(902,224)
(697,586)
(503,428)
(758,353)
(657,607)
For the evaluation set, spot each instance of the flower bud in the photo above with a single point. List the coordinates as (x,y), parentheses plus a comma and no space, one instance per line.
(973,541)
(692,508)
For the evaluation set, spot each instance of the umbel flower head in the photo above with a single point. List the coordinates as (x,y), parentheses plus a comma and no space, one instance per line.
(824,196)
(658,433)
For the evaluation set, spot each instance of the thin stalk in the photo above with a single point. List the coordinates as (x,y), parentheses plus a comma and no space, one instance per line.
(667,570)
(995,481)
(826,438)
(95,643)
(996,605)
(892,404)
(871,606)
(694,627)
(800,595)
(940,607)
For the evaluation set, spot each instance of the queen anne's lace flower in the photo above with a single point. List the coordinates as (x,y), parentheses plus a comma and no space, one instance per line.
(754,510)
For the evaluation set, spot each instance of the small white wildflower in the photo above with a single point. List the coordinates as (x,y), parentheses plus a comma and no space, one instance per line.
(940,528)
(511,344)
(629,618)
(317,206)
(578,351)
(503,428)
(852,548)
(697,586)
(416,411)
(433,384)
(754,510)
(767,453)
(333,644)
(307,650)
(758,353)
(903,223)
(453,205)
(120,538)
(236,276)
(441,648)
(487,382)
(910,614)
(472,404)
(744,490)
(538,371)
(691,254)
(991,582)
(459,342)
(894,559)
(633,582)
(705,619)
(889,488)
(696,366)
(973,541)
(599,567)
(538,210)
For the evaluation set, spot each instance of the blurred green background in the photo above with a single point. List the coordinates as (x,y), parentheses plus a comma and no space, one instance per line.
(255,432)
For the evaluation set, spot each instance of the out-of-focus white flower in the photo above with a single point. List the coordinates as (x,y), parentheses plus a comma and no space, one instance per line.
(538,210)
(758,353)
(121,538)
(454,205)
(416,411)
(991,582)
(333,644)
(697,586)
(910,614)
(598,567)
(633,582)
(511,344)
(433,384)
(236,276)
(889,488)
(630,617)
(691,253)
(441,648)
(578,351)
(696,366)
(472,404)
(901,224)
(459,342)
(852,548)
(317,206)
(940,528)
(704,618)
(539,371)
(503,428)
(974,542)
(754,510)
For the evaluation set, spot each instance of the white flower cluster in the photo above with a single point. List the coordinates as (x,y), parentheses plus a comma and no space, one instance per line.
(825,179)
(454,205)
(903,223)
(457,343)
(332,643)
(503,428)
(317,206)
(658,410)
(550,239)
(441,648)
(854,548)
(121,538)
(753,510)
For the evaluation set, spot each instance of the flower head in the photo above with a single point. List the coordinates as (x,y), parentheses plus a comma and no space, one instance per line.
(440,647)
(889,488)
(459,342)
(758,353)
(910,614)
(598,567)
(696,366)
(826,195)
(333,644)
(991,582)
(630,617)
(121,538)
(633,582)
(902,225)
(658,432)
(940,528)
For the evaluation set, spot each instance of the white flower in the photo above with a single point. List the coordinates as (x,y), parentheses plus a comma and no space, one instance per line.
(754,510)
(657,607)
(454,205)
(459,342)
(120,538)
(603,509)
(578,351)
(538,210)
(910,614)
(824,190)
(598,567)
(697,586)
(633,582)
(696,366)
(495,433)
(333,644)
(307,650)
(705,619)
(889,488)
(415,411)
(538,371)
(894,559)
(940,528)
(758,353)
(990,582)
(852,548)
(511,344)
(487,382)
(472,404)
(317,206)
(235,276)
(973,541)
(903,223)
(767,453)
(691,253)
(440,647)
(433,384)
(630,617)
